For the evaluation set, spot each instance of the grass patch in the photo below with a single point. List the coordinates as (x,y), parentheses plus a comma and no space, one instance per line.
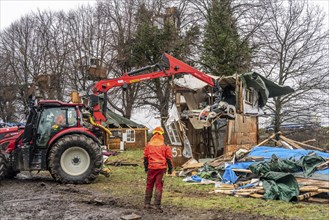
(128,184)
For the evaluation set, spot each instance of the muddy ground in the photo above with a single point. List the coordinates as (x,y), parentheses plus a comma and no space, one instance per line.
(40,197)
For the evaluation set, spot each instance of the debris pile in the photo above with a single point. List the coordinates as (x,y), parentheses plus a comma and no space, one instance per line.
(265,172)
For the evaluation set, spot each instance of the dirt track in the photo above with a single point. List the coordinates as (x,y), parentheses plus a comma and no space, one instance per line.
(40,197)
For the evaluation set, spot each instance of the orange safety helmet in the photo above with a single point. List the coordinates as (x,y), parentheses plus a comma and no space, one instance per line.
(158,130)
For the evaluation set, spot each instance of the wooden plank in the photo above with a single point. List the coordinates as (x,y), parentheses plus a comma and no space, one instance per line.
(256,195)
(318,200)
(252,190)
(224,185)
(289,141)
(231,133)
(266,140)
(311,140)
(312,182)
(242,170)
(308,188)
(197,165)
(309,146)
(323,190)
(226,192)
(307,195)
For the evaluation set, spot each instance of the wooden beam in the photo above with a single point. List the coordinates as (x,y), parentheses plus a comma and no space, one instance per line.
(318,200)
(242,170)
(308,146)
(289,141)
(307,195)
(266,140)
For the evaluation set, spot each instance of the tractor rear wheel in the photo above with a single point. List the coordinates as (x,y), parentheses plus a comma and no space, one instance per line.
(3,166)
(75,159)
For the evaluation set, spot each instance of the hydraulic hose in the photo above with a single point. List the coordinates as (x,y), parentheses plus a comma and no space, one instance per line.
(100,126)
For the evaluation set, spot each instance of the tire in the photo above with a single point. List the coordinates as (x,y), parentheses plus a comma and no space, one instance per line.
(75,159)
(3,166)
(6,171)
(11,173)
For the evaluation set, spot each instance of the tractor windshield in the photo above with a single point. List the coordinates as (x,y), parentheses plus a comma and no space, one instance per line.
(53,120)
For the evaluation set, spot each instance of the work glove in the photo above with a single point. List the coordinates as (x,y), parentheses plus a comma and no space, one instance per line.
(146,164)
(169,166)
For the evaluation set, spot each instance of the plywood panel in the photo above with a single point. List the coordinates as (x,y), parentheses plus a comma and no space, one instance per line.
(246,138)
(241,133)
(245,123)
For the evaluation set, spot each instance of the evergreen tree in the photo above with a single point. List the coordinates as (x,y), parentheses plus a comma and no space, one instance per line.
(224,53)
(155,35)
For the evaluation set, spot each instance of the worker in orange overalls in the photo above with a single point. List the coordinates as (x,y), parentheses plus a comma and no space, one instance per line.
(157,156)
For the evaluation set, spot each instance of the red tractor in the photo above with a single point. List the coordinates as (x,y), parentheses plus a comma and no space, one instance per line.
(66,138)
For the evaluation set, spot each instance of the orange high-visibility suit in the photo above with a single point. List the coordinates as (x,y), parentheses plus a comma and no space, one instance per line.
(157,156)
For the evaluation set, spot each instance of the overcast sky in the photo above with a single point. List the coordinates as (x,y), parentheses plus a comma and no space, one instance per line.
(11,10)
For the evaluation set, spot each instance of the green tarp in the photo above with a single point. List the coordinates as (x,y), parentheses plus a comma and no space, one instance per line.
(277,179)
(120,121)
(282,186)
(266,88)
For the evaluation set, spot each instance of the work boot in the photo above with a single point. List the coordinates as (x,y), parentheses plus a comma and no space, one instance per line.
(158,208)
(147,201)
(157,201)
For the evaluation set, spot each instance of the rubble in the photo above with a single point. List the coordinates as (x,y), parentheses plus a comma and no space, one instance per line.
(289,172)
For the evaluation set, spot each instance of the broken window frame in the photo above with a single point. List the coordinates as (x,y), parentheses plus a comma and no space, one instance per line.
(249,95)
(173,135)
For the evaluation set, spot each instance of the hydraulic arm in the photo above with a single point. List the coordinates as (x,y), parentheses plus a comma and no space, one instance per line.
(168,67)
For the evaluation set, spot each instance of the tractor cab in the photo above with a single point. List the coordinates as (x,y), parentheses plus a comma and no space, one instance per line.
(54,117)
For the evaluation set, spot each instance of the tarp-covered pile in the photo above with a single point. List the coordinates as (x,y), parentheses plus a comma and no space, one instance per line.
(270,173)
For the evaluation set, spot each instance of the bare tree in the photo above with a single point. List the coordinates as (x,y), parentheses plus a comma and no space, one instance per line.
(22,57)
(291,51)
(122,26)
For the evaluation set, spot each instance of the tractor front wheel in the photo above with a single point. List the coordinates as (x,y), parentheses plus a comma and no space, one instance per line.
(75,159)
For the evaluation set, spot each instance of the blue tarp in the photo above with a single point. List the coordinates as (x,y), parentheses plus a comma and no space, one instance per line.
(283,153)
(267,152)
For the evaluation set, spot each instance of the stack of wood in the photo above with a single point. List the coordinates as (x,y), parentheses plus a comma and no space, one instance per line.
(308,189)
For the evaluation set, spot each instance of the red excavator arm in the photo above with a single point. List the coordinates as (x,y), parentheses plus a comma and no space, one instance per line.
(168,67)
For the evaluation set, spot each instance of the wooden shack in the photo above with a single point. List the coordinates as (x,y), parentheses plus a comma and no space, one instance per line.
(126,134)
(198,129)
